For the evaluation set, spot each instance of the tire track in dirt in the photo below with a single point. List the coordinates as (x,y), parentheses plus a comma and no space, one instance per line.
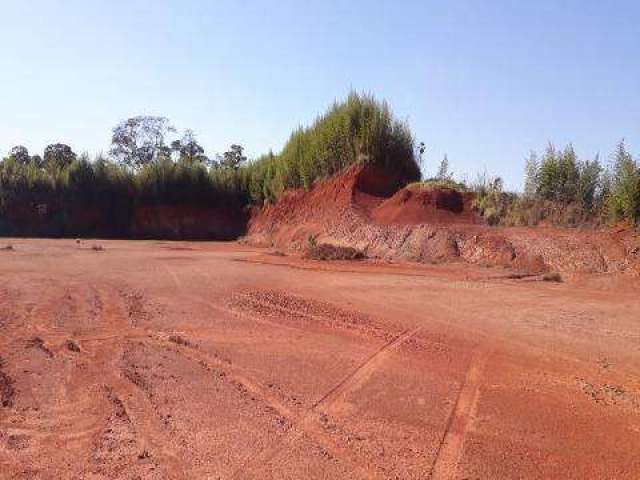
(460,421)
(119,312)
(358,377)
(96,321)
(45,412)
(307,424)
(116,445)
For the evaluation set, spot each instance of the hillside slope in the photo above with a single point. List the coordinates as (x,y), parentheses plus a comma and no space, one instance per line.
(359,208)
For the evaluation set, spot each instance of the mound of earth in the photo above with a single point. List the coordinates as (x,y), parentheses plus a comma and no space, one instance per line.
(364,208)
(417,204)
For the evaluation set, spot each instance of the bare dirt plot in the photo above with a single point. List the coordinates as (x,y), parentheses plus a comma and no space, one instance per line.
(225,362)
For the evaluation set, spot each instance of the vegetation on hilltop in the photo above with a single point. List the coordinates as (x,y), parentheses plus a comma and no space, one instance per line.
(358,130)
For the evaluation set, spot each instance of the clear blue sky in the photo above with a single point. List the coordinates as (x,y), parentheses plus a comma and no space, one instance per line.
(484,81)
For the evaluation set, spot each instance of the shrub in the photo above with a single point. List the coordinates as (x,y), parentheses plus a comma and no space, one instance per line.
(490,200)
(440,183)
(326,251)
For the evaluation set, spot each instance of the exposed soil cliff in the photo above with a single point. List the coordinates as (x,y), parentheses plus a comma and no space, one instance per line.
(188,222)
(361,208)
(175,222)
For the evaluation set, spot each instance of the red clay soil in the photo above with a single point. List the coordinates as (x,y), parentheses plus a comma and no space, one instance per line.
(430,225)
(417,204)
(161,360)
(179,222)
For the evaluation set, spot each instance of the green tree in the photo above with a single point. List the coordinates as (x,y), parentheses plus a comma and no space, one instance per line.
(233,158)
(58,156)
(188,149)
(20,154)
(567,188)
(140,140)
(443,169)
(625,188)
(589,183)
(531,176)
(549,175)
(82,180)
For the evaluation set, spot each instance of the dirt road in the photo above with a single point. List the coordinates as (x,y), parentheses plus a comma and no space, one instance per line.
(201,360)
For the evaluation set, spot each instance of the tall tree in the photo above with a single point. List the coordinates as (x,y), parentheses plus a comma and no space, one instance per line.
(568,176)
(188,149)
(233,158)
(443,169)
(58,156)
(141,140)
(531,176)
(625,189)
(549,174)
(20,154)
(589,183)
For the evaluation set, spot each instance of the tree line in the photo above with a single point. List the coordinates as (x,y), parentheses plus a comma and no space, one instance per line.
(81,195)
(562,189)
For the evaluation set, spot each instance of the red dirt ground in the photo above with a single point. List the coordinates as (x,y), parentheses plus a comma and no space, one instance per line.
(158,360)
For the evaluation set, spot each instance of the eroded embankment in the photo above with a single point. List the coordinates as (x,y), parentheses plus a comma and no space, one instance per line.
(361,209)
(175,222)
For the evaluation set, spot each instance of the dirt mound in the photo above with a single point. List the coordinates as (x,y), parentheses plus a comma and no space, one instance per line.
(294,309)
(362,208)
(300,215)
(416,204)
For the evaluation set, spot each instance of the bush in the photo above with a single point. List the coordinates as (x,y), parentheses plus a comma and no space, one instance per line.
(326,251)
(491,201)
(440,183)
